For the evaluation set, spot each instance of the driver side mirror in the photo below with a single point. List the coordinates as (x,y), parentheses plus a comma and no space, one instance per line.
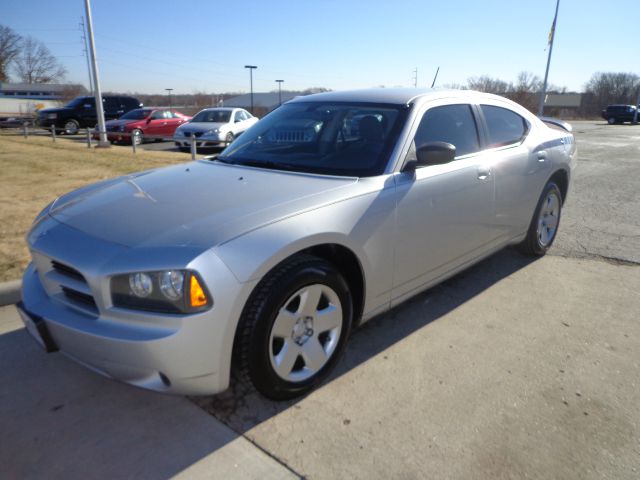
(432,153)
(435,153)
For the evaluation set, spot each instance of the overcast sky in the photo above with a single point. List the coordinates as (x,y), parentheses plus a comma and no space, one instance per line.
(199,45)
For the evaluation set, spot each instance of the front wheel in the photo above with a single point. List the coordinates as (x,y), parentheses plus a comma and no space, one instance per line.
(545,222)
(611,120)
(293,328)
(229,138)
(71,127)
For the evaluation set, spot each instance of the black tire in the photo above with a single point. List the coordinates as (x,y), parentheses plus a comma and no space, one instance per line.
(252,349)
(533,245)
(229,138)
(71,127)
(611,120)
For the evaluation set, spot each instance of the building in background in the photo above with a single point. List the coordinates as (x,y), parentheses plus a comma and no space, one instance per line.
(23,100)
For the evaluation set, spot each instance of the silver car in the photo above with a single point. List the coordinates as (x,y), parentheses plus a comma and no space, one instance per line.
(213,127)
(329,211)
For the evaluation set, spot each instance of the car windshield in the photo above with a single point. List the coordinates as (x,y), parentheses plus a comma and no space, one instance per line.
(137,114)
(79,101)
(349,139)
(215,116)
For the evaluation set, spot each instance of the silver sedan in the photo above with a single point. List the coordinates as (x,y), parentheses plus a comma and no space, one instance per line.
(330,210)
(213,127)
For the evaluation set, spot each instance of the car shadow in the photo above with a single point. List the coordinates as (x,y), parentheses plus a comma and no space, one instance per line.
(241,408)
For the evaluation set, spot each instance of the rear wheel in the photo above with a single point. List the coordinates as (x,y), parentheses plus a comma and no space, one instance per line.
(545,222)
(293,328)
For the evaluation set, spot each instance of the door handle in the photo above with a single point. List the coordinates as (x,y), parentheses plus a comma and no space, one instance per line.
(484,173)
(542,156)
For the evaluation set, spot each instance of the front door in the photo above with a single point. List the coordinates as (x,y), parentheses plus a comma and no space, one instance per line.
(445,213)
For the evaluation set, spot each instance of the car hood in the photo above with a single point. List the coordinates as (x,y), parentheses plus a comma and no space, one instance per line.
(117,123)
(198,204)
(54,110)
(200,126)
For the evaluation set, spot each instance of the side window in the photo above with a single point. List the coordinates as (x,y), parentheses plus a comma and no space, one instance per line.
(238,117)
(453,124)
(111,104)
(157,115)
(246,114)
(505,126)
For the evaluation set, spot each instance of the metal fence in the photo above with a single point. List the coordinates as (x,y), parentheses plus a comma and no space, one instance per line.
(91,136)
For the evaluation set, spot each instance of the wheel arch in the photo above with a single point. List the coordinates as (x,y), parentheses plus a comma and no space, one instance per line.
(561,178)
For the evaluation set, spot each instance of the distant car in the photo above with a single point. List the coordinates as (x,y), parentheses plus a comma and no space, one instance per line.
(214,127)
(265,257)
(81,112)
(150,122)
(619,113)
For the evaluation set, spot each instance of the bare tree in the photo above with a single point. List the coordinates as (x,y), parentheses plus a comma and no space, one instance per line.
(489,85)
(71,91)
(36,63)
(9,47)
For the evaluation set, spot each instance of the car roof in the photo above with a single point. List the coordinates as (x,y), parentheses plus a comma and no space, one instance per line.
(225,109)
(397,96)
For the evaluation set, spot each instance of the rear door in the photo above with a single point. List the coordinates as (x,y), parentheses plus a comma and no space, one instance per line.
(521,165)
(445,213)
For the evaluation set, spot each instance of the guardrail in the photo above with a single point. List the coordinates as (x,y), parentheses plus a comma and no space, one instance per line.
(91,134)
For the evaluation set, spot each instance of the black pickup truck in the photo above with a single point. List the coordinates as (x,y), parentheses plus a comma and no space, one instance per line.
(619,113)
(81,112)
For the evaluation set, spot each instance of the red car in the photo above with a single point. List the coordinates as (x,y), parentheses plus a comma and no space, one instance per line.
(152,123)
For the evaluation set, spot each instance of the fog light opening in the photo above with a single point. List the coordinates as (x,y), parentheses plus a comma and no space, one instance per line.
(165,379)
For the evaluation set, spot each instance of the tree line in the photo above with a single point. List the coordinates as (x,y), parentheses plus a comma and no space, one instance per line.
(602,89)
(27,59)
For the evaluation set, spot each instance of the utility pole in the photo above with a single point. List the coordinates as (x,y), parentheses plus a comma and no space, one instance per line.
(102,142)
(251,69)
(279,91)
(552,35)
(169,90)
(86,53)
(415,78)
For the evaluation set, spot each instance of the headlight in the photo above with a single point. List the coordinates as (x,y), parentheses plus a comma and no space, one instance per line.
(212,131)
(168,291)
(52,116)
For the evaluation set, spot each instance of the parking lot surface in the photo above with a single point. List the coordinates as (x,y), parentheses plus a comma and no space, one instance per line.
(516,368)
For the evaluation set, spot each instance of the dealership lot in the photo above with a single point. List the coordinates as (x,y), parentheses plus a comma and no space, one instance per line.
(515,368)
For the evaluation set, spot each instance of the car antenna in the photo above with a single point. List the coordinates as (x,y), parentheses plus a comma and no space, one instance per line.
(435,76)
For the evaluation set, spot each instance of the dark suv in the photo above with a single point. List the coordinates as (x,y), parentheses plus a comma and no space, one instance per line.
(619,113)
(81,112)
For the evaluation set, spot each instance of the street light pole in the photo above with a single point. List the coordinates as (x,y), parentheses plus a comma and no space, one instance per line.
(86,54)
(169,90)
(552,36)
(102,135)
(251,68)
(279,91)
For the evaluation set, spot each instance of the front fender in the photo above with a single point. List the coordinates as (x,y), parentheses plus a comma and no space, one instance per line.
(365,225)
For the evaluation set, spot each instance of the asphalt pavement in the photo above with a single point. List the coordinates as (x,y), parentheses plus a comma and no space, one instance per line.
(513,369)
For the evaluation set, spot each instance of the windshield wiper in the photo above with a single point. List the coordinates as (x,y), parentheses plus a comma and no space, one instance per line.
(267,164)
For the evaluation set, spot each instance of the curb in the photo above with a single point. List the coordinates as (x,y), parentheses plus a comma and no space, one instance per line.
(10,292)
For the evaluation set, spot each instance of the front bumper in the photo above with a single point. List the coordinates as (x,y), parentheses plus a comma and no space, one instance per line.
(201,142)
(182,354)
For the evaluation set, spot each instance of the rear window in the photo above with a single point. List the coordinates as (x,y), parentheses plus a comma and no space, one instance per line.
(505,126)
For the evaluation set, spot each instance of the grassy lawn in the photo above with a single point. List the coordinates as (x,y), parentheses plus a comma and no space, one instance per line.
(35,171)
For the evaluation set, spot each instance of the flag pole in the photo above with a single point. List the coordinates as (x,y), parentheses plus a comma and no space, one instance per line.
(552,35)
